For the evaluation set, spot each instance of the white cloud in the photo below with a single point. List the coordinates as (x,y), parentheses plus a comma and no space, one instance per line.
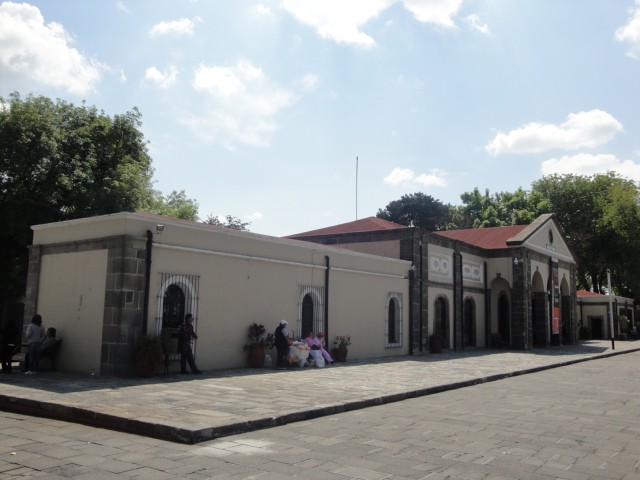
(584,129)
(308,82)
(336,19)
(264,11)
(407,177)
(588,164)
(254,216)
(240,105)
(184,26)
(438,12)
(342,21)
(476,24)
(122,7)
(42,53)
(631,32)
(163,80)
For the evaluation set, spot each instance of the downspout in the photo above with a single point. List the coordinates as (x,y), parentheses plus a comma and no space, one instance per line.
(420,293)
(147,283)
(326,298)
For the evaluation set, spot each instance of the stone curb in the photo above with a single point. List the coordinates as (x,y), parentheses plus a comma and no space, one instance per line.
(89,417)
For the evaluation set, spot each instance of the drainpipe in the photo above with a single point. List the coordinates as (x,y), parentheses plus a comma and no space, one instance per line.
(420,315)
(147,283)
(326,298)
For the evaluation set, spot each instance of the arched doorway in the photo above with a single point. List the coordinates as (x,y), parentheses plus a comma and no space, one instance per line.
(504,319)
(307,315)
(441,320)
(469,314)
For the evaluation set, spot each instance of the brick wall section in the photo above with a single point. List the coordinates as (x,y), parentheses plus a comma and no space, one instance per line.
(520,305)
(123,305)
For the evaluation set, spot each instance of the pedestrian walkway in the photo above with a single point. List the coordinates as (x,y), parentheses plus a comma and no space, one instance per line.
(193,409)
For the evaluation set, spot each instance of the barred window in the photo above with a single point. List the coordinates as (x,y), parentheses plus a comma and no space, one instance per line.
(394,320)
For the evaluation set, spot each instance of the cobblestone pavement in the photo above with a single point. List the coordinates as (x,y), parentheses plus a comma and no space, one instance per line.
(581,421)
(192,409)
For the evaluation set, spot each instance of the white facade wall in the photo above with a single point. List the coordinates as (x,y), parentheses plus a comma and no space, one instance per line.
(243,278)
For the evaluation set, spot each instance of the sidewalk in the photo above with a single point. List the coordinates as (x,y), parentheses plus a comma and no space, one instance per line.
(193,409)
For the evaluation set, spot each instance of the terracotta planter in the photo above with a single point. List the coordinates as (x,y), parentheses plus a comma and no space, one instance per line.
(256,356)
(340,354)
(146,365)
(435,344)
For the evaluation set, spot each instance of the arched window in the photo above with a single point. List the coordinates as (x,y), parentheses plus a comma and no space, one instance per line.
(173,307)
(394,320)
(310,312)
(307,315)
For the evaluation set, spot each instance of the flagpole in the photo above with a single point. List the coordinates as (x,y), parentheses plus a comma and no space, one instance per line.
(356,188)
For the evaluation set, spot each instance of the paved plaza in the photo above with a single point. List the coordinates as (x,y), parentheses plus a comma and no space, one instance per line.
(192,409)
(576,422)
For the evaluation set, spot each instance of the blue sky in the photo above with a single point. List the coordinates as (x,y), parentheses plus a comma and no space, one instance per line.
(258,109)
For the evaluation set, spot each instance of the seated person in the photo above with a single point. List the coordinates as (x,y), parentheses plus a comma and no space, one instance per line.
(50,339)
(318,352)
(298,353)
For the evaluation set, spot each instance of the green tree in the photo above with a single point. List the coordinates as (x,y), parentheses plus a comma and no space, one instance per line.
(58,162)
(176,205)
(230,222)
(497,210)
(417,210)
(599,216)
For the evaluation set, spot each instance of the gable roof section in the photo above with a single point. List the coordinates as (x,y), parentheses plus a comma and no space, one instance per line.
(491,238)
(369,224)
(494,238)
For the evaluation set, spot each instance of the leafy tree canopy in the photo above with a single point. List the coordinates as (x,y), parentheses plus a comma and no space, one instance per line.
(229,222)
(58,162)
(417,210)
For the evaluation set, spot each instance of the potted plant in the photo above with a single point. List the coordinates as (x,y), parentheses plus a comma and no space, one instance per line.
(149,353)
(340,349)
(435,343)
(256,345)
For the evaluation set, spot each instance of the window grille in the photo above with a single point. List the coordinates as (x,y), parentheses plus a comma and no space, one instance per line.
(310,310)
(178,295)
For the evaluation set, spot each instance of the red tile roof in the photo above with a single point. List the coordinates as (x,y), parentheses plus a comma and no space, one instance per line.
(369,224)
(586,293)
(488,238)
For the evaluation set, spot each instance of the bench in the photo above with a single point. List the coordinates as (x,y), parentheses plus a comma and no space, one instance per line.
(21,354)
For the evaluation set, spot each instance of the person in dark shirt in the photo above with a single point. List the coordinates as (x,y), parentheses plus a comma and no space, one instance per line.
(186,335)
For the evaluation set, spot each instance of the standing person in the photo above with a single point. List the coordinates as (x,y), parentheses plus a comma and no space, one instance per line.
(34,336)
(186,335)
(282,343)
